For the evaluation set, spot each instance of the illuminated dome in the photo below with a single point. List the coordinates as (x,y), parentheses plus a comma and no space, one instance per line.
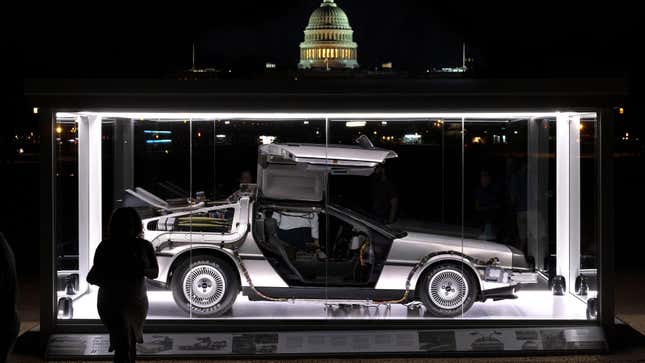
(328,40)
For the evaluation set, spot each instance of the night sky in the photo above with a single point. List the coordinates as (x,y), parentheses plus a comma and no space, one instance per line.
(505,38)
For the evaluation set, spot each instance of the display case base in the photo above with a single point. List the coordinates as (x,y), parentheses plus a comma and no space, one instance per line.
(510,341)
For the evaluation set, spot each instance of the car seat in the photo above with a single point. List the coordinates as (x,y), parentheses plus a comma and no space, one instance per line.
(272,242)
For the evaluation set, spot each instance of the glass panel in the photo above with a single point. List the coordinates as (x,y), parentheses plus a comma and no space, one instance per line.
(66,215)
(403,209)
(229,166)
(246,212)
(523,193)
(586,278)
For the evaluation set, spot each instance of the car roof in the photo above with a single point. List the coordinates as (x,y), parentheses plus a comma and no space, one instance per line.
(329,154)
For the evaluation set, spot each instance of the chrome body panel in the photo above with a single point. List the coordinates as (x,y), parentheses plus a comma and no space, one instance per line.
(411,249)
(172,245)
(414,246)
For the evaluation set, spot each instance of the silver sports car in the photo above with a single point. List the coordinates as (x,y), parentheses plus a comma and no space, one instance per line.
(282,240)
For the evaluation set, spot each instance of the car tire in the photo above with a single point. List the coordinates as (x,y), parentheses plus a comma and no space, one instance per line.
(205,286)
(447,289)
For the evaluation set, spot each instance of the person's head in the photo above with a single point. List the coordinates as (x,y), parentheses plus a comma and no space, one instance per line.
(125,223)
(246,177)
(484,178)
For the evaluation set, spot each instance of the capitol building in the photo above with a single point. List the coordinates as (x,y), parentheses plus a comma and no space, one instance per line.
(329,40)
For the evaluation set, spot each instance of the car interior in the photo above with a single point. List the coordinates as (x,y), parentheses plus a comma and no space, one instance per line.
(352,254)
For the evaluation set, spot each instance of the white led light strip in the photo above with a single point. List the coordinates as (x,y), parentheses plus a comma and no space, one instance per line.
(174,116)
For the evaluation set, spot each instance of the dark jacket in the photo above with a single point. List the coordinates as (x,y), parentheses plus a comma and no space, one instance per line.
(120,268)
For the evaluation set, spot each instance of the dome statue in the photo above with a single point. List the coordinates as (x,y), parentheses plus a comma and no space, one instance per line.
(329,40)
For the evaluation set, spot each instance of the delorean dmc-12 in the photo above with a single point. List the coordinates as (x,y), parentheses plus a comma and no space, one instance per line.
(208,254)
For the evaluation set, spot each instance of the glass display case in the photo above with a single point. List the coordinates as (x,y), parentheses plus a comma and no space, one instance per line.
(488,217)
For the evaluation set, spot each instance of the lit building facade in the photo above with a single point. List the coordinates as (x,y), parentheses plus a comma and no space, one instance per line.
(329,40)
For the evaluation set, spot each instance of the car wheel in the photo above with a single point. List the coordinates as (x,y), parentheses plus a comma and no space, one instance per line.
(447,290)
(205,285)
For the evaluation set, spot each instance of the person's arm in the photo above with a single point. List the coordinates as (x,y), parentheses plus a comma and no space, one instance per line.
(151,267)
(315,233)
(95,275)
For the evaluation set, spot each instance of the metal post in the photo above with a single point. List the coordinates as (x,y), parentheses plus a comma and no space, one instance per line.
(90,193)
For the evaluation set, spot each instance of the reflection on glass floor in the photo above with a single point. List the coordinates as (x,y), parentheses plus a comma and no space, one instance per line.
(530,304)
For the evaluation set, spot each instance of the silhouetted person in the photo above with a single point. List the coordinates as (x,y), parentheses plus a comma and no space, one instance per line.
(9,322)
(121,264)
(487,206)
(385,200)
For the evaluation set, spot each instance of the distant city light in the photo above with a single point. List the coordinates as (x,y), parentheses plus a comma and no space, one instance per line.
(383,123)
(306,122)
(387,65)
(375,133)
(35,110)
(220,136)
(199,134)
(59,129)
(411,138)
(267,139)
(451,70)
(621,111)
(516,132)
(477,140)
(160,141)
(21,151)
(355,124)
(163,132)
(580,127)
(269,65)
(227,122)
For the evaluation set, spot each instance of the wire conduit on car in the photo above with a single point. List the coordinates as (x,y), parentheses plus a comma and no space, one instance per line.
(407,282)
(245,272)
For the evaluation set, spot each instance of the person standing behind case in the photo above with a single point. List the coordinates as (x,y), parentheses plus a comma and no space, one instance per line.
(121,264)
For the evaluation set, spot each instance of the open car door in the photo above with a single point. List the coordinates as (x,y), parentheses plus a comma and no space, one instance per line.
(298,172)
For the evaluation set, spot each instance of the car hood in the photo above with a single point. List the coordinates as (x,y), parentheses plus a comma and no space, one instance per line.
(422,244)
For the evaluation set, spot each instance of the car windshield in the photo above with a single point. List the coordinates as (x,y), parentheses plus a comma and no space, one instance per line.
(371,222)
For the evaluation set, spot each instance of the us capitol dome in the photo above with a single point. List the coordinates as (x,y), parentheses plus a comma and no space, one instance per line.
(329,40)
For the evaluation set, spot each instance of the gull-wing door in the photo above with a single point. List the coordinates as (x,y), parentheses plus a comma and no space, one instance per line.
(299,171)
